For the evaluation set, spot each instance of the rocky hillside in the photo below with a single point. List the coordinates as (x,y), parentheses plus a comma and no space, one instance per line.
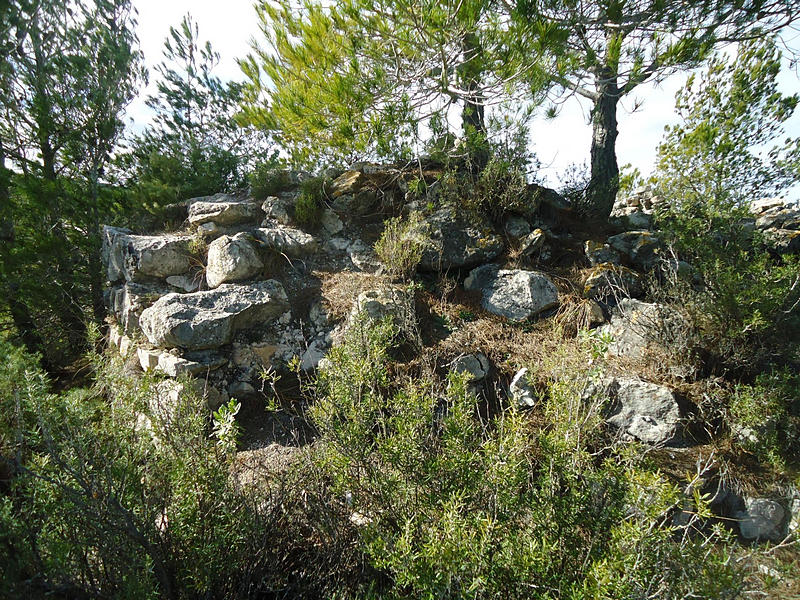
(243,294)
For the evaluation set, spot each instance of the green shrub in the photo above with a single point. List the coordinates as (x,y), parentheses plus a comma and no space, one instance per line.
(267,179)
(707,175)
(310,203)
(401,245)
(453,505)
(765,419)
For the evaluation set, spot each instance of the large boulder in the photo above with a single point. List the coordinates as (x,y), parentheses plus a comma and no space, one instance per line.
(127,302)
(610,280)
(598,253)
(638,328)
(512,293)
(223,209)
(641,248)
(641,410)
(288,240)
(762,519)
(209,319)
(459,239)
(143,257)
(231,259)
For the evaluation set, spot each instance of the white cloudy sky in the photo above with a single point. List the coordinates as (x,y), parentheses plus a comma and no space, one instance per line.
(230,24)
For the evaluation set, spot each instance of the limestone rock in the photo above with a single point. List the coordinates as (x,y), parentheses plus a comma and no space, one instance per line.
(607,279)
(532,242)
(185,283)
(642,410)
(315,352)
(231,259)
(762,519)
(512,293)
(638,327)
(288,240)
(641,248)
(223,209)
(331,222)
(139,257)
(209,319)
(392,302)
(785,241)
(174,365)
(348,183)
(459,240)
(276,209)
(476,366)
(127,302)
(363,257)
(598,253)
(517,227)
(521,392)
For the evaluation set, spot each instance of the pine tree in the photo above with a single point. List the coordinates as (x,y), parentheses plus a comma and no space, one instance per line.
(613,46)
(194,146)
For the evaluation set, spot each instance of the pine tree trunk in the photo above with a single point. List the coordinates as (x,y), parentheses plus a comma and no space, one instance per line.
(472,116)
(604,181)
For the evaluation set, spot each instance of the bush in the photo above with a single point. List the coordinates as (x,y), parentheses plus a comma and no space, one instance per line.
(267,179)
(310,203)
(453,505)
(401,245)
(765,419)
(708,173)
(121,492)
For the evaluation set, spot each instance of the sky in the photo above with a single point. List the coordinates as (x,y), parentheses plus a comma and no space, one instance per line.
(558,143)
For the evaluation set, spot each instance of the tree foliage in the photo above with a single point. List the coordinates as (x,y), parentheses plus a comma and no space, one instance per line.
(613,46)
(727,151)
(193,146)
(370,78)
(70,70)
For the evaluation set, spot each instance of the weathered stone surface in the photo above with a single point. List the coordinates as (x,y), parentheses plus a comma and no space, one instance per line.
(641,248)
(174,365)
(638,327)
(476,366)
(642,410)
(330,221)
(127,302)
(315,352)
(517,227)
(348,183)
(512,293)
(185,283)
(363,257)
(607,280)
(231,259)
(392,302)
(459,240)
(139,257)
(276,209)
(599,253)
(288,240)
(532,242)
(209,319)
(631,217)
(521,392)
(762,519)
(223,209)
(785,241)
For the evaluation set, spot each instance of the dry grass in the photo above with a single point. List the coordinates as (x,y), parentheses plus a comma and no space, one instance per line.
(340,290)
